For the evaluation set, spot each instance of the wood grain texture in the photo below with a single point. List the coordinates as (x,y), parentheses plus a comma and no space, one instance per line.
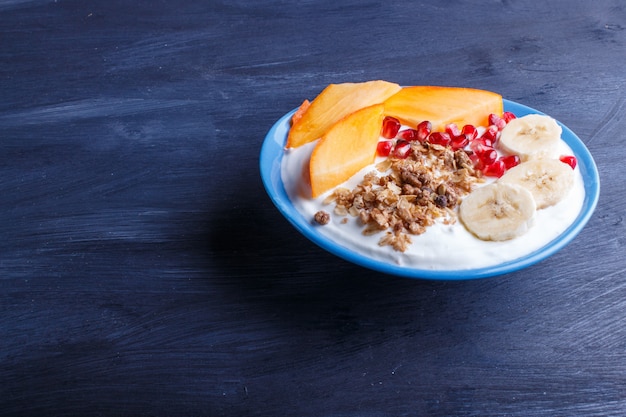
(145,272)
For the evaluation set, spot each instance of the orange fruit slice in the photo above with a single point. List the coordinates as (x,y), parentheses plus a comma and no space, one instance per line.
(332,104)
(300,112)
(443,105)
(346,148)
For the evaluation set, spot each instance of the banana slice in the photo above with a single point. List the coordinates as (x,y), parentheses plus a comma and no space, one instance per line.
(498,211)
(548,180)
(533,136)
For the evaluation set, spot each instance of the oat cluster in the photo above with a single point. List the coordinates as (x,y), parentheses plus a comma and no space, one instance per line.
(405,196)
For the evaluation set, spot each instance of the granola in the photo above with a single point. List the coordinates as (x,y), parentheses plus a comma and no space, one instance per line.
(402,197)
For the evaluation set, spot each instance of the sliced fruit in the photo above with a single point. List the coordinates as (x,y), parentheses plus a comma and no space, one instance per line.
(498,211)
(548,180)
(300,112)
(346,148)
(443,105)
(334,103)
(533,136)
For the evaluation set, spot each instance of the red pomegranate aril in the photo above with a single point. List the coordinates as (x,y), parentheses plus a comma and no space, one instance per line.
(478,164)
(423,130)
(507,116)
(453,130)
(384,147)
(495,169)
(439,138)
(408,134)
(510,161)
(470,132)
(491,133)
(402,149)
(481,143)
(486,155)
(458,142)
(497,121)
(569,160)
(391,126)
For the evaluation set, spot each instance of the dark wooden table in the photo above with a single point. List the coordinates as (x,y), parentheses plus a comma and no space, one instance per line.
(145,271)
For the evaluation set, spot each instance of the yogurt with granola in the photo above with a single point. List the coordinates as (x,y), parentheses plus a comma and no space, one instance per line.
(445,243)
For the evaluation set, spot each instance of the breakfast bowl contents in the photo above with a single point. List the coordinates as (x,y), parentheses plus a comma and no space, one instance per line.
(417,181)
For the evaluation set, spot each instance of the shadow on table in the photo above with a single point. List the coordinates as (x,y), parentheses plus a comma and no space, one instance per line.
(259,257)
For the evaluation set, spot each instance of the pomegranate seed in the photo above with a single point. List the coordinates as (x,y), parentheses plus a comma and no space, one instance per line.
(510,161)
(480,143)
(459,142)
(439,138)
(423,130)
(478,164)
(408,134)
(453,130)
(470,132)
(491,133)
(391,126)
(569,160)
(402,149)
(384,147)
(497,121)
(495,169)
(507,116)
(486,154)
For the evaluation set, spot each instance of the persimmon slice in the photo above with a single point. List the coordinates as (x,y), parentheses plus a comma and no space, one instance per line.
(443,105)
(346,148)
(300,112)
(334,103)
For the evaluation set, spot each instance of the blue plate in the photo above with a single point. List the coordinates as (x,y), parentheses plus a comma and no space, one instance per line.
(270,165)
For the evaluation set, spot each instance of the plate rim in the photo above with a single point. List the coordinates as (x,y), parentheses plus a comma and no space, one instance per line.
(272,151)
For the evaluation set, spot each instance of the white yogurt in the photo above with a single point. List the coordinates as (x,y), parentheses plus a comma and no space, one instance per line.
(441,247)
